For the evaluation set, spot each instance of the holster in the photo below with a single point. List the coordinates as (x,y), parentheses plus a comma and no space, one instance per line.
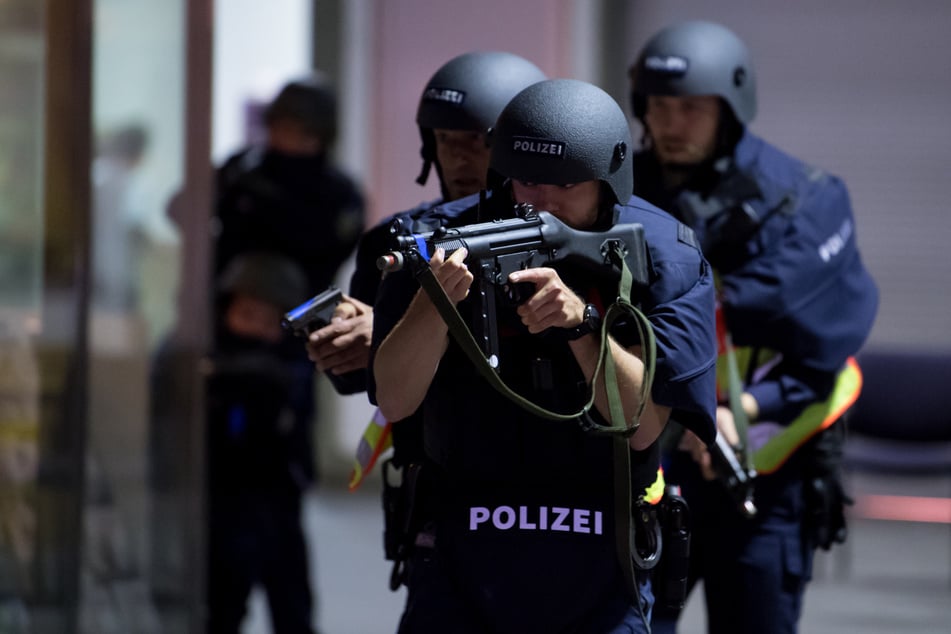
(401,516)
(670,575)
(823,492)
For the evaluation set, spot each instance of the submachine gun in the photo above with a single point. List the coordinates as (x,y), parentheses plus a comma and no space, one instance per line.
(531,239)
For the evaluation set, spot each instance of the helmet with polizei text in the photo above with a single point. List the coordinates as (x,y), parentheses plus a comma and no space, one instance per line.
(564,131)
(695,58)
(468,92)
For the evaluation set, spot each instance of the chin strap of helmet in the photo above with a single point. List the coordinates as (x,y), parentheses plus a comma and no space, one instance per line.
(427,165)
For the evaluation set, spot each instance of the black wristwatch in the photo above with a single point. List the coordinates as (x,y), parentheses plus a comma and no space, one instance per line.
(590,322)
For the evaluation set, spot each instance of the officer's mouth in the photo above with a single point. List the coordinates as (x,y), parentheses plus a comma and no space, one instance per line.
(680,150)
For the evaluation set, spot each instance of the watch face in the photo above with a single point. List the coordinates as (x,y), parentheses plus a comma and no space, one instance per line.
(591,316)
(590,322)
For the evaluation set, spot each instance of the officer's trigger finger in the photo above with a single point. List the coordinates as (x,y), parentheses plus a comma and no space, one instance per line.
(523,276)
(345,310)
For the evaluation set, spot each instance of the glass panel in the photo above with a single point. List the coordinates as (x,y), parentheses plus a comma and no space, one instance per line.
(21,256)
(136,571)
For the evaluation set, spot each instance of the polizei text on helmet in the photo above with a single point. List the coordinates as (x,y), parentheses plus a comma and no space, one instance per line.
(527,145)
(539,518)
(445,94)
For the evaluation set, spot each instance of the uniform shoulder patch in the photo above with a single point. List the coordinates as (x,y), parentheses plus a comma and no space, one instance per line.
(686,235)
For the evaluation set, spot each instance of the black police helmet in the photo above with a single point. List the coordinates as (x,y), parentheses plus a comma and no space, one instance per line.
(564,131)
(696,58)
(264,275)
(312,102)
(468,92)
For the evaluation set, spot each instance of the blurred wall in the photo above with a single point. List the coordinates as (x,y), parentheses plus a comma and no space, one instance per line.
(258,47)
(412,39)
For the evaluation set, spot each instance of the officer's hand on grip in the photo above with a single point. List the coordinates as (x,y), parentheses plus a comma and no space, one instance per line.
(343,345)
(452,273)
(690,443)
(553,304)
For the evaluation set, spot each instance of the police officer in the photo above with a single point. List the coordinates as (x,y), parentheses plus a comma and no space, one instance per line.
(459,104)
(794,300)
(286,197)
(523,532)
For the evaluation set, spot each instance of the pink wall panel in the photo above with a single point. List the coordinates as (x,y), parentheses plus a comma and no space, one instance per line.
(414,38)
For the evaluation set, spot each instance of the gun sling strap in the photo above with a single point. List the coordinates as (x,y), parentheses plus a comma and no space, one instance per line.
(619,428)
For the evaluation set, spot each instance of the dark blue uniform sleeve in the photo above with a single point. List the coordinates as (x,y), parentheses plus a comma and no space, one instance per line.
(363,286)
(680,307)
(807,295)
(366,277)
(365,282)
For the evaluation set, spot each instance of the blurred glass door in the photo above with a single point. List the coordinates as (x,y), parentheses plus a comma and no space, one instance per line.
(100,385)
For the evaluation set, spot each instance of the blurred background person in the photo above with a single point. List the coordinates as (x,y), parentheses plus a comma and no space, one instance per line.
(287,197)
(258,458)
(118,218)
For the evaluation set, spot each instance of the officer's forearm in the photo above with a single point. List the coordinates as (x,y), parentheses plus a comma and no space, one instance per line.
(630,376)
(406,361)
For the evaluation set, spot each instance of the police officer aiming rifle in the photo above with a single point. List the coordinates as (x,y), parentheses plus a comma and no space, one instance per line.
(527,533)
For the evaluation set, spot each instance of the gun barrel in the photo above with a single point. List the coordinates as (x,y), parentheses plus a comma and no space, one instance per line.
(390,261)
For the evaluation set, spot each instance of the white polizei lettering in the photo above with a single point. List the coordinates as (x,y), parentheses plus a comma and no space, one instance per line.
(669,64)
(523,522)
(560,515)
(836,242)
(508,522)
(554,518)
(538,147)
(580,521)
(477,515)
(445,94)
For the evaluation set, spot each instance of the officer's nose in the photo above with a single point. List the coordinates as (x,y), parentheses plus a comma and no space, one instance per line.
(546,198)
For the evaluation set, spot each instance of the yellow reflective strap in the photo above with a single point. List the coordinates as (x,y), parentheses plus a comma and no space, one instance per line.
(655,491)
(375,440)
(812,420)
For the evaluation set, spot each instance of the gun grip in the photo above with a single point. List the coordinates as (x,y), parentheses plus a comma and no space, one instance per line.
(518,292)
